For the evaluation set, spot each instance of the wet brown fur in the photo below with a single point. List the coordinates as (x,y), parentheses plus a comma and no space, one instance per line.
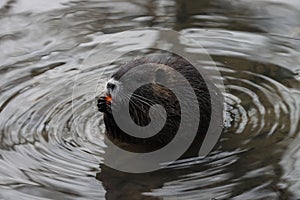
(158,94)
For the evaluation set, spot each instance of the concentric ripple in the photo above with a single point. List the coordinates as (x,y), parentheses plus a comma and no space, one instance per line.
(52,136)
(259,104)
(50,126)
(38,126)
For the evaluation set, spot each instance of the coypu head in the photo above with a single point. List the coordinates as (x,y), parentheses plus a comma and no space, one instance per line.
(156,71)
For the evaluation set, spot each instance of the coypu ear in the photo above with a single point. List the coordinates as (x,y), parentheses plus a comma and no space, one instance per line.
(160,75)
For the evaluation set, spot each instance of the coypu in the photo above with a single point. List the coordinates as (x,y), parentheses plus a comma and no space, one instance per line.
(157,71)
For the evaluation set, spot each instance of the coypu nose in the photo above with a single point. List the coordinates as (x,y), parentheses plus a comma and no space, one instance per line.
(110,86)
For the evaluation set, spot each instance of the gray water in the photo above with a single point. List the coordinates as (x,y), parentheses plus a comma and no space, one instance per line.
(52,137)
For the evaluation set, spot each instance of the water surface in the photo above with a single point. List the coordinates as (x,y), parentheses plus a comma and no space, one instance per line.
(52,137)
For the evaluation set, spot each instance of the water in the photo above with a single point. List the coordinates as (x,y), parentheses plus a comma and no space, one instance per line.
(51,141)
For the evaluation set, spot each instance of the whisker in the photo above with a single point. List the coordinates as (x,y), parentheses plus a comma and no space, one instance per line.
(137,104)
(140,97)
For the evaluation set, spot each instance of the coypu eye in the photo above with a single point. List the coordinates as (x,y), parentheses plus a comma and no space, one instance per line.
(110,86)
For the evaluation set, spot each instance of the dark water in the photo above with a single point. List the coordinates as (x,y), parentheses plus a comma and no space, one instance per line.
(51,142)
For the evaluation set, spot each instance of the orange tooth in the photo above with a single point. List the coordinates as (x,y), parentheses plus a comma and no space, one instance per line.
(108,98)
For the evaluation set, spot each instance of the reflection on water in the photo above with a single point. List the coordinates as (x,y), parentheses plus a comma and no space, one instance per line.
(51,141)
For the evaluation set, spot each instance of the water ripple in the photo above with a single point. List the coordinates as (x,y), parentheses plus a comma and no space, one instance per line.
(52,137)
